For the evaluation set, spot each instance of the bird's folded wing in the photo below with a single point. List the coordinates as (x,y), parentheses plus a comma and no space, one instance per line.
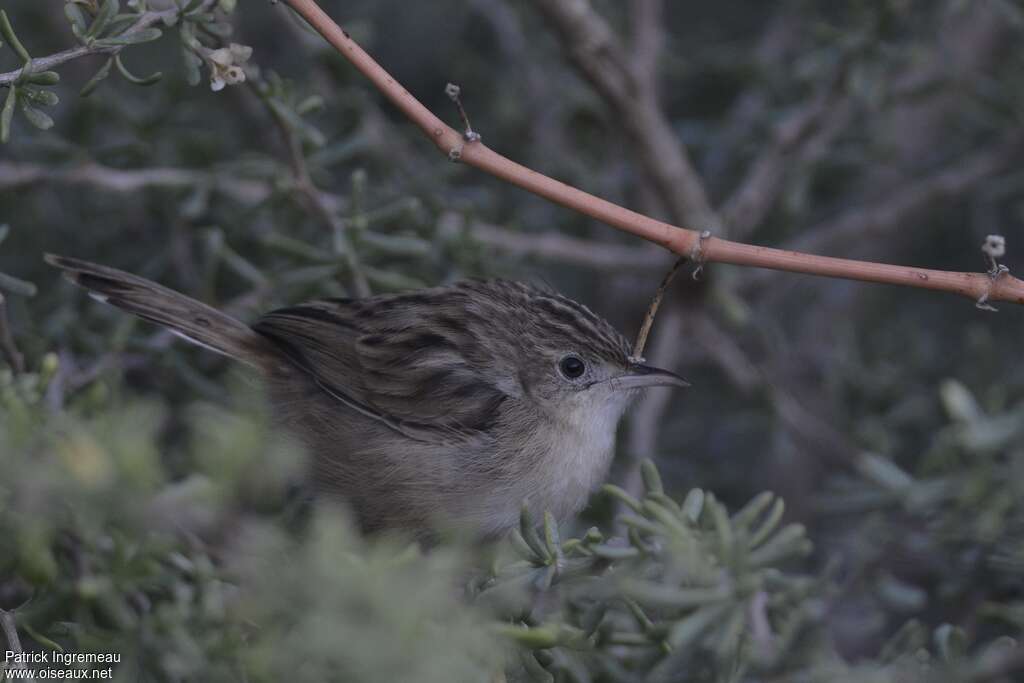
(382,360)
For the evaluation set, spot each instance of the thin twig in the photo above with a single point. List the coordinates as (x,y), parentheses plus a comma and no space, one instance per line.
(7,346)
(319,204)
(145,20)
(676,239)
(453,92)
(652,310)
(10,629)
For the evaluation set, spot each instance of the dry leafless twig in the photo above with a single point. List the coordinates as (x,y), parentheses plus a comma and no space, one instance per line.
(676,239)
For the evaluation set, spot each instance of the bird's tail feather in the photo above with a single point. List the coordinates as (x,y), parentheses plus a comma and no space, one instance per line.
(186,317)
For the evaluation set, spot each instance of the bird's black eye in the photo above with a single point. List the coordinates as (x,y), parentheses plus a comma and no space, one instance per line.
(572,367)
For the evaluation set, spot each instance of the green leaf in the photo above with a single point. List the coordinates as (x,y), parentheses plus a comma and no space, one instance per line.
(107,12)
(520,545)
(399,245)
(951,642)
(652,480)
(723,529)
(551,538)
(76,18)
(14,285)
(750,512)
(535,638)
(534,669)
(623,496)
(311,103)
(792,540)
(41,639)
(727,639)
(883,472)
(639,523)
(144,35)
(7,31)
(529,532)
(693,505)
(614,552)
(638,613)
(39,119)
(132,78)
(45,98)
(685,633)
(192,66)
(94,82)
(44,78)
(667,517)
(296,124)
(7,113)
(671,597)
(959,402)
(667,502)
(909,638)
(768,526)
(221,29)
(121,22)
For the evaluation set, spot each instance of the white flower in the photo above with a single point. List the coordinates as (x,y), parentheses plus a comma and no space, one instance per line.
(226,65)
(994,246)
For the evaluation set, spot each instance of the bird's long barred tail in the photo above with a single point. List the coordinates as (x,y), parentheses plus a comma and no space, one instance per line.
(184,316)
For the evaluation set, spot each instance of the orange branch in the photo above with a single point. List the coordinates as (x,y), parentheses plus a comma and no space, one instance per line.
(681,241)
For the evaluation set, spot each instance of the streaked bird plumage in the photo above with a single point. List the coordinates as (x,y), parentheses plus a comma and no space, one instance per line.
(453,404)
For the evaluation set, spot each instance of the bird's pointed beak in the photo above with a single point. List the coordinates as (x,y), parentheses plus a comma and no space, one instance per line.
(641,376)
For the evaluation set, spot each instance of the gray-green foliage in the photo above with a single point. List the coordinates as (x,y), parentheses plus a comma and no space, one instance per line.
(207,576)
(217,573)
(687,588)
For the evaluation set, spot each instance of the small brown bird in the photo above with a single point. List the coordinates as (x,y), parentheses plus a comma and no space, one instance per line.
(451,405)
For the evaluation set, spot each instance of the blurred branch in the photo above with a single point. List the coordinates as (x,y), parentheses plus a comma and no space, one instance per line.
(750,202)
(320,204)
(873,220)
(722,348)
(646,41)
(824,440)
(7,347)
(679,240)
(628,86)
(752,105)
(573,250)
(865,223)
(14,175)
(547,246)
(10,629)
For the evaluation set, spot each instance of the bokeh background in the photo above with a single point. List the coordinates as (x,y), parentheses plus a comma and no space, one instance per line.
(890,420)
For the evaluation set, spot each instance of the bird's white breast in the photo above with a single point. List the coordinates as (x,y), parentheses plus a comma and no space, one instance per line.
(577,458)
